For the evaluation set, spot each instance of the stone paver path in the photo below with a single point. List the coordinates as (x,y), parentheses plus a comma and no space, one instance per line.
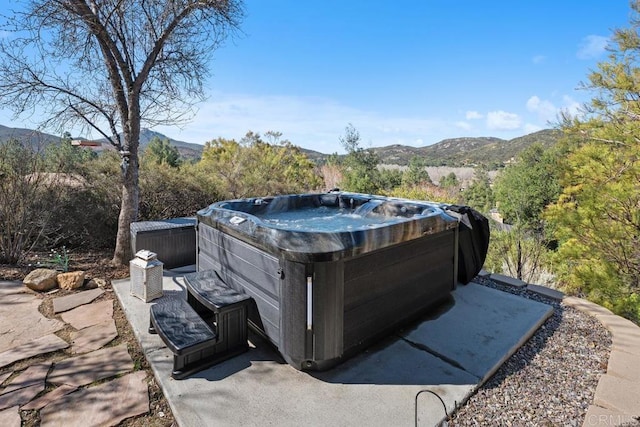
(4,376)
(106,404)
(89,314)
(21,396)
(33,375)
(48,398)
(21,320)
(93,337)
(75,300)
(94,366)
(26,333)
(24,387)
(46,344)
(10,417)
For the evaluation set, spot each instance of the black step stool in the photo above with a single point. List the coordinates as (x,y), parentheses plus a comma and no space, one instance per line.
(206,329)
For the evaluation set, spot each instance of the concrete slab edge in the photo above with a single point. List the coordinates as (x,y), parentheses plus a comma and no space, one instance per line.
(541,290)
(138,334)
(585,306)
(516,346)
(544,291)
(626,341)
(506,280)
(492,371)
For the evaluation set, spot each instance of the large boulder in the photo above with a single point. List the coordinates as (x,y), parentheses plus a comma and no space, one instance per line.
(71,280)
(41,279)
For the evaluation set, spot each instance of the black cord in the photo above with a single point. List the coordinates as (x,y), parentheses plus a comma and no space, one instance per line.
(436,395)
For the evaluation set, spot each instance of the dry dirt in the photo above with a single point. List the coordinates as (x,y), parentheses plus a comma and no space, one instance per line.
(95,265)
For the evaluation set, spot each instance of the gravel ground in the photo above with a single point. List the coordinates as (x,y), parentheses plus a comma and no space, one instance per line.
(549,381)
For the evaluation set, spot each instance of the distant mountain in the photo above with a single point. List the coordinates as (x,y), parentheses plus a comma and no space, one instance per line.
(34,137)
(487,151)
(314,156)
(456,152)
(187,150)
(448,152)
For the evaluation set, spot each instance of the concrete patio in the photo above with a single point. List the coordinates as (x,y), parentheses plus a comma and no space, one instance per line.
(415,377)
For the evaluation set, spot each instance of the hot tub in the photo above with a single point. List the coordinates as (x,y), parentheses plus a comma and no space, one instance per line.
(331,273)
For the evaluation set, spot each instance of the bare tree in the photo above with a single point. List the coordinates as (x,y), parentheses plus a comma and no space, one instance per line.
(112,66)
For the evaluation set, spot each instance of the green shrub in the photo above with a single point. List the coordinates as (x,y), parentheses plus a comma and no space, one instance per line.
(28,200)
(169,192)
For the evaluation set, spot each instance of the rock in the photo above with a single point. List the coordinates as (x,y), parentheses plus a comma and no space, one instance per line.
(77,299)
(96,283)
(71,280)
(41,279)
(107,404)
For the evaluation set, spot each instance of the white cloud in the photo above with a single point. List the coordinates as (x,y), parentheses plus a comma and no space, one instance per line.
(530,128)
(501,120)
(571,106)
(548,112)
(473,115)
(311,122)
(463,125)
(538,59)
(544,109)
(592,47)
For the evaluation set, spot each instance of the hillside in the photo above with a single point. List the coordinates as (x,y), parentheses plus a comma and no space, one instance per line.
(186,149)
(34,137)
(456,151)
(490,152)
(487,151)
(39,139)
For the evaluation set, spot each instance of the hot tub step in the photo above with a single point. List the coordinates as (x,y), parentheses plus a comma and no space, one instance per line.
(223,307)
(208,288)
(194,343)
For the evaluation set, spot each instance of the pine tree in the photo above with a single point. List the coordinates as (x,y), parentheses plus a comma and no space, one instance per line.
(597,217)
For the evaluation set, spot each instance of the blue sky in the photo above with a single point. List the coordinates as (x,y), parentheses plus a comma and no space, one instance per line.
(407,72)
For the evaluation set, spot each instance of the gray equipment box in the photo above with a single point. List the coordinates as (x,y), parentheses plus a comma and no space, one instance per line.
(174,240)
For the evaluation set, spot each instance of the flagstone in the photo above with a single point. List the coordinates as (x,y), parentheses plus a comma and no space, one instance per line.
(22,322)
(33,375)
(93,337)
(105,404)
(89,315)
(8,287)
(10,417)
(20,396)
(48,398)
(42,345)
(3,377)
(94,366)
(68,302)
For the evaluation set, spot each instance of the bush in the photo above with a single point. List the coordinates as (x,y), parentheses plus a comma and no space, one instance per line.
(28,200)
(520,254)
(169,192)
(254,168)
